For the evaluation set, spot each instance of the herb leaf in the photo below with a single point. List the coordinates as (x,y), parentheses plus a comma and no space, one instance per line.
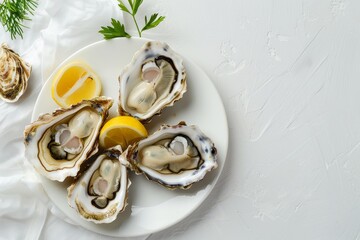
(136,6)
(131,4)
(13,13)
(118,30)
(123,7)
(153,21)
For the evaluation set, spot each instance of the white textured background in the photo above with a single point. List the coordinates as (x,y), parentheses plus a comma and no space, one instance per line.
(288,72)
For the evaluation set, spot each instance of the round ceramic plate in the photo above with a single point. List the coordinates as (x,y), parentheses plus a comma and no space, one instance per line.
(151,207)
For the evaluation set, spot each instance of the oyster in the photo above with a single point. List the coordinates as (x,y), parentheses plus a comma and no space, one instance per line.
(58,143)
(154,79)
(14,74)
(100,193)
(174,156)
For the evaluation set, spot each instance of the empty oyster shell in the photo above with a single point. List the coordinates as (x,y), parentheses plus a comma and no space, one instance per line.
(154,79)
(100,193)
(174,156)
(59,142)
(14,74)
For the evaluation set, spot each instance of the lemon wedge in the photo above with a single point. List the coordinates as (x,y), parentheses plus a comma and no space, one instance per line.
(122,130)
(73,83)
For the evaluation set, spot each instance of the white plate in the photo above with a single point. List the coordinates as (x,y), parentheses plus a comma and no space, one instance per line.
(151,207)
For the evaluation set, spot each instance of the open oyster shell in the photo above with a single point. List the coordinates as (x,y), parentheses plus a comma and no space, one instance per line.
(14,74)
(153,80)
(59,142)
(101,192)
(174,156)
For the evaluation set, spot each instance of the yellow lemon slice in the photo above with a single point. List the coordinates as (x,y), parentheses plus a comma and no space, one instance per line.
(73,83)
(122,130)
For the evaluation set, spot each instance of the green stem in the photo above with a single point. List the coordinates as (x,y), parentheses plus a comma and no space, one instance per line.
(137,27)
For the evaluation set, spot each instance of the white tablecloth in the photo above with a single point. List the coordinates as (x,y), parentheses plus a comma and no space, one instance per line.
(288,73)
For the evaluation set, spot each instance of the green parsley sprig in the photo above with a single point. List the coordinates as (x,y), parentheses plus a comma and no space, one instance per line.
(118,30)
(13,13)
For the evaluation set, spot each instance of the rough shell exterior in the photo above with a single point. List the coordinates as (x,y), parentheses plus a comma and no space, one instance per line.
(14,74)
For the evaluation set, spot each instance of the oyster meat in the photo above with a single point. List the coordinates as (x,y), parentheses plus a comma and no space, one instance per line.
(154,79)
(174,156)
(58,143)
(100,193)
(14,74)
